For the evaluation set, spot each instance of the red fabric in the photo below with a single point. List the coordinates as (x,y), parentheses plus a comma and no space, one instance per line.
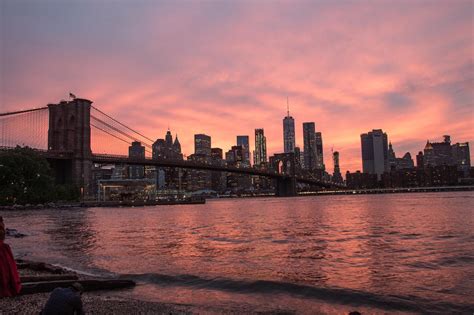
(10,284)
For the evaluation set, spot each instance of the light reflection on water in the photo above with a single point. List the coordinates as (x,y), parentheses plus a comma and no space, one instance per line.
(409,245)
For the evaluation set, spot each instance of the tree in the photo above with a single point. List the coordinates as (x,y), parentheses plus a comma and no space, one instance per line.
(25,177)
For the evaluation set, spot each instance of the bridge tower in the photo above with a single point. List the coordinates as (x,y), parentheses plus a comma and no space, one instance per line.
(70,132)
(285,163)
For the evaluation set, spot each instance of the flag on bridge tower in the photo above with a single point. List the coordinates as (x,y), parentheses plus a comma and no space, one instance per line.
(72,96)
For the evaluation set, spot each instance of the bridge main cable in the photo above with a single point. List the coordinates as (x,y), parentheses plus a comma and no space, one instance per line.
(23,111)
(122,124)
(117,130)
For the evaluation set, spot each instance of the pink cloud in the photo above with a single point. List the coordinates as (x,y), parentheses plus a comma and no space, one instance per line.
(226,69)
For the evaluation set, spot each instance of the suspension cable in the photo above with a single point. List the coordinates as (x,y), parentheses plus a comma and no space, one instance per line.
(122,124)
(22,111)
(118,130)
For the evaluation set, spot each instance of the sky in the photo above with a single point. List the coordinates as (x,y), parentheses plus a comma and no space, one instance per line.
(224,68)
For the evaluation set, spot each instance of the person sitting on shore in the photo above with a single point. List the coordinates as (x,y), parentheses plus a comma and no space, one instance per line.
(10,284)
(65,301)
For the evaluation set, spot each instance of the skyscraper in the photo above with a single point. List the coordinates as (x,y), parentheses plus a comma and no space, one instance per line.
(169,138)
(202,144)
(319,151)
(374,152)
(260,153)
(136,150)
(244,142)
(337,177)
(309,142)
(288,132)
(462,157)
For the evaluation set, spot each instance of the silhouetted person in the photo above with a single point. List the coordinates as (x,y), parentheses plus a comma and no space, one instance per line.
(65,301)
(10,284)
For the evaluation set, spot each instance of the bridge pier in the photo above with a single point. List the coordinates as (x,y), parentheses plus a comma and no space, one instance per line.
(285,187)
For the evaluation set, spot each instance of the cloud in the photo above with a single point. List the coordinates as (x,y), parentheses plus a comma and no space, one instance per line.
(227,68)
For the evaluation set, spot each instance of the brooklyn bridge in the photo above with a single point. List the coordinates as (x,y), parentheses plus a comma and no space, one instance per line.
(75,135)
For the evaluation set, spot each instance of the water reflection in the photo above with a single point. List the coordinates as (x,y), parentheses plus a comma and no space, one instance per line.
(418,245)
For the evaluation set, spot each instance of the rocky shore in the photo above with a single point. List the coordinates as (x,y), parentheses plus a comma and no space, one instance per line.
(95,302)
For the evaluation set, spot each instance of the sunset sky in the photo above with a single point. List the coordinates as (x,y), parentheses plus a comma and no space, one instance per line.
(225,68)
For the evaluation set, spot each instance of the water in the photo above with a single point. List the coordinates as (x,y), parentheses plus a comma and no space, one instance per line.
(326,254)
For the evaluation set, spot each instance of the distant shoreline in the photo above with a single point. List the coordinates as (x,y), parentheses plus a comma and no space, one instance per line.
(91,204)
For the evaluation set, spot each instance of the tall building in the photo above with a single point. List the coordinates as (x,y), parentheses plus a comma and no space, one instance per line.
(288,132)
(260,153)
(438,153)
(420,160)
(319,151)
(166,177)
(310,149)
(166,148)
(461,157)
(218,179)
(336,177)
(169,138)
(136,150)
(244,142)
(298,157)
(374,152)
(202,144)
(216,153)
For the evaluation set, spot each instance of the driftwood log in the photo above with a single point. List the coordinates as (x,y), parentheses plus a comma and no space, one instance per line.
(48,278)
(89,285)
(39,266)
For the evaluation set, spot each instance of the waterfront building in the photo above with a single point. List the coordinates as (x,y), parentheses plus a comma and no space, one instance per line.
(319,151)
(260,153)
(358,180)
(405,162)
(235,154)
(336,177)
(392,159)
(218,179)
(237,183)
(438,153)
(198,179)
(216,153)
(202,144)
(310,150)
(419,160)
(166,148)
(244,142)
(167,177)
(298,157)
(374,146)
(288,133)
(136,150)
(462,158)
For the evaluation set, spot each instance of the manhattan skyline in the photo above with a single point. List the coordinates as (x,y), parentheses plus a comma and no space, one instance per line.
(225,69)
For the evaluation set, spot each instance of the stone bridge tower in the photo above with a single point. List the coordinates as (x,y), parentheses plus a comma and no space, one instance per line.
(285,163)
(70,133)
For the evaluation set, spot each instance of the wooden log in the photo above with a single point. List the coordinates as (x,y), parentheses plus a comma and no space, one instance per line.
(39,278)
(39,266)
(89,285)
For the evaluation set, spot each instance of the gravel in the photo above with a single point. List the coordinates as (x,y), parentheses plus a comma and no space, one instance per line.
(93,302)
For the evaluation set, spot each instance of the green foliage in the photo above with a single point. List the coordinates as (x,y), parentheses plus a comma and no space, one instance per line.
(26,177)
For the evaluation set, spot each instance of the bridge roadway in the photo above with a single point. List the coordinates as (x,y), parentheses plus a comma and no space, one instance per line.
(121,159)
(118,159)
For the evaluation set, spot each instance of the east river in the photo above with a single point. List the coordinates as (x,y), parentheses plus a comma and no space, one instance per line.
(406,253)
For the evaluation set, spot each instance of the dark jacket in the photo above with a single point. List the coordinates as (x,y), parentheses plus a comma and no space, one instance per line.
(63,301)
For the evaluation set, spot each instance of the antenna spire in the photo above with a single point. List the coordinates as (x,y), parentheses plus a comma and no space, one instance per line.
(287,107)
